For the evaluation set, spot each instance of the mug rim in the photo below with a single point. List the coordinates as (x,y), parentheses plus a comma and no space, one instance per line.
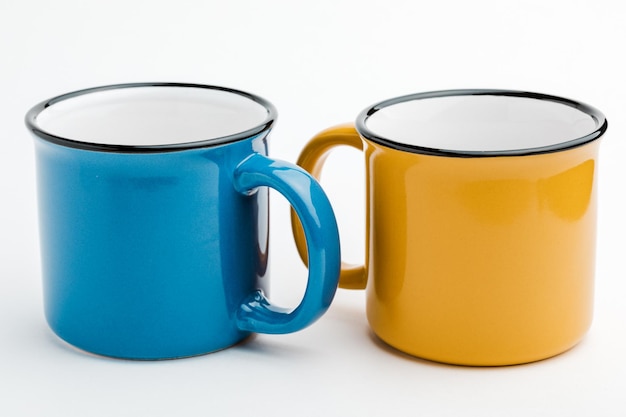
(32,125)
(595,114)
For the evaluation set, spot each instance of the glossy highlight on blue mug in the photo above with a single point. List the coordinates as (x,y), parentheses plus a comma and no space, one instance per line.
(155,252)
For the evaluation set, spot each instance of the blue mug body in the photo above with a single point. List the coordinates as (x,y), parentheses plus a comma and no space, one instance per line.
(161,251)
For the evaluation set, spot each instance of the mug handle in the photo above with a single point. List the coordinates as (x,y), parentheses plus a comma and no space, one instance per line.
(312,159)
(256,313)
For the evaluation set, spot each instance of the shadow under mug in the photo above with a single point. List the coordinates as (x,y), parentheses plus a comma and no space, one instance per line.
(480,222)
(153,206)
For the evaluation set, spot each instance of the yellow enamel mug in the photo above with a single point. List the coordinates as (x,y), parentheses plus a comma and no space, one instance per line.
(480,222)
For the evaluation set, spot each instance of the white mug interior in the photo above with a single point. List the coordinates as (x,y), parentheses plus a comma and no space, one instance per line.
(152,115)
(479,122)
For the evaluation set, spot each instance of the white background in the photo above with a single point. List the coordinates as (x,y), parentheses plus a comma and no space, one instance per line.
(320,62)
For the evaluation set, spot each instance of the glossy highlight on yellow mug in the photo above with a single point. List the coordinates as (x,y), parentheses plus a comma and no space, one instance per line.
(476,261)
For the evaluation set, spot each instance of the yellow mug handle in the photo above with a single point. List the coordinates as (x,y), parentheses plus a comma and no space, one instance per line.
(312,159)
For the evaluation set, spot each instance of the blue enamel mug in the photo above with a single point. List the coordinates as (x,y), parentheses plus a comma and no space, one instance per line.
(153,208)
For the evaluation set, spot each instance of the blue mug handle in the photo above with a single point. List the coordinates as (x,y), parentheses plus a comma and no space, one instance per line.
(256,313)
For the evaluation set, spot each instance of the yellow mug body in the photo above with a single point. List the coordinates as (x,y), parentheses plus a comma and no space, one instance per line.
(475,257)
(480,261)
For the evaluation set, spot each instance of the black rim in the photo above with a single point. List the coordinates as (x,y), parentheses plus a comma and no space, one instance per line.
(596,115)
(31,121)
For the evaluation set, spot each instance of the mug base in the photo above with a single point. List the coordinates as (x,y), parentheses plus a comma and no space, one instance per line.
(120,354)
(477,361)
